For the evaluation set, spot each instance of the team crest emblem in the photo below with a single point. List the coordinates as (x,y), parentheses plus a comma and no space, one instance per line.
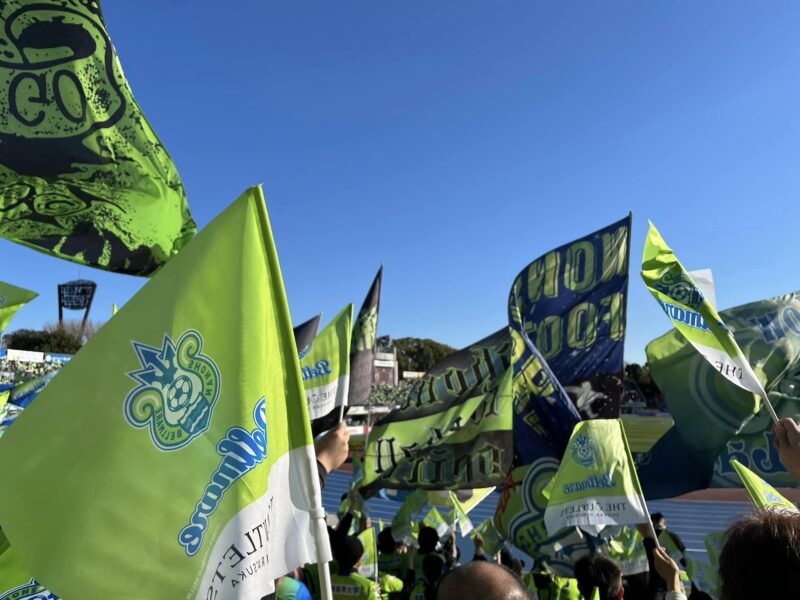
(306,350)
(680,288)
(584,451)
(32,590)
(178,387)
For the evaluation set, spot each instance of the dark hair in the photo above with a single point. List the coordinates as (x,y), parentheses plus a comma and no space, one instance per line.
(428,538)
(761,556)
(595,571)
(347,552)
(386,543)
(432,568)
(505,558)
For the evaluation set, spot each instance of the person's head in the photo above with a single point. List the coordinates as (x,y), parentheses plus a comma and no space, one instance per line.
(347,551)
(427,538)
(761,557)
(481,580)
(386,543)
(595,571)
(659,521)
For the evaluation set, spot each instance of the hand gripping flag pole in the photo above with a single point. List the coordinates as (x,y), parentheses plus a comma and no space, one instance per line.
(320,530)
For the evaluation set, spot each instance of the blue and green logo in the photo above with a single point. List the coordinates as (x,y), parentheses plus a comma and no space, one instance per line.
(31,590)
(177,389)
(584,451)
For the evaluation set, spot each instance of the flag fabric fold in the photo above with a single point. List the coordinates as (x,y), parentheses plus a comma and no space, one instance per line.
(83,176)
(325,365)
(190,391)
(762,494)
(596,483)
(567,319)
(362,345)
(453,429)
(694,316)
(708,411)
(12,298)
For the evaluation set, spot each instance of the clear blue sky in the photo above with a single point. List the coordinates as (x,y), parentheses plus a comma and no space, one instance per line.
(455,141)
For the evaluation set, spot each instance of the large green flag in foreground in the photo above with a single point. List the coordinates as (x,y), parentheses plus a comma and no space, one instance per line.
(596,484)
(694,316)
(453,430)
(762,494)
(12,298)
(325,365)
(83,176)
(175,448)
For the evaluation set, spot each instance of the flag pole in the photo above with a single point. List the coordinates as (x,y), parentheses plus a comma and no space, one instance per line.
(771,409)
(319,528)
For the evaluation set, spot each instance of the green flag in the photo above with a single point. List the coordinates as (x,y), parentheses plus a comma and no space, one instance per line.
(369,560)
(596,484)
(453,430)
(708,411)
(762,494)
(362,345)
(405,518)
(492,542)
(175,448)
(704,576)
(12,298)
(435,519)
(627,550)
(695,317)
(325,365)
(83,176)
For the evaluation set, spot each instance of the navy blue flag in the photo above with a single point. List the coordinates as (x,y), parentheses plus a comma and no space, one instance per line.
(571,305)
(567,323)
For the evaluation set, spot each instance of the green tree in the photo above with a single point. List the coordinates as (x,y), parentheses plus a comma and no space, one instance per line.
(57,341)
(418,354)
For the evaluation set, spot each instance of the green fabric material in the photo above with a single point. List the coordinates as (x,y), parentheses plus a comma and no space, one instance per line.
(453,430)
(435,519)
(169,396)
(762,494)
(708,411)
(406,518)
(596,483)
(492,542)
(12,298)
(697,320)
(354,587)
(83,176)
(16,582)
(326,365)
(369,560)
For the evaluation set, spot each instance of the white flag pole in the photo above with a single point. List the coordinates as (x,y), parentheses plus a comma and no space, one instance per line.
(319,528)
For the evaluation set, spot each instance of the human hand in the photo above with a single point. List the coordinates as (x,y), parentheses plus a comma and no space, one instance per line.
(332,447)
(668,569)
(787,443)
